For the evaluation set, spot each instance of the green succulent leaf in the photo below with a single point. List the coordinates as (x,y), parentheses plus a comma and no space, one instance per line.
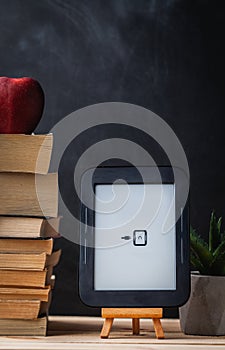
(214,232)
(200,249)
(196,263)
(209,258)
(218,264)
(219,250)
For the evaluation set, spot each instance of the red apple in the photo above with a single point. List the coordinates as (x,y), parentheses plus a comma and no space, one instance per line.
(21,105)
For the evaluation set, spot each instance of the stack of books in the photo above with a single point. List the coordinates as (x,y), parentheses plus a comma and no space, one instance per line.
(28,225)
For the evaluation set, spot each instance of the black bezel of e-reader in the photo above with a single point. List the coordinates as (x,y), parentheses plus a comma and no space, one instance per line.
(133,298)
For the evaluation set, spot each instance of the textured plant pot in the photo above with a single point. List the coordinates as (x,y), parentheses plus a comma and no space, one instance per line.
(204,313)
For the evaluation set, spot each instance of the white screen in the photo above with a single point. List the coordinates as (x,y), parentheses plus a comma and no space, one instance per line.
(120,209)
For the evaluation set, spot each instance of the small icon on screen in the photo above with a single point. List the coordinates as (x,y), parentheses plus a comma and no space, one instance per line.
(140,237)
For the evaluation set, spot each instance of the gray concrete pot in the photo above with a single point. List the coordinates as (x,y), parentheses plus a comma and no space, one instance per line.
(204,313)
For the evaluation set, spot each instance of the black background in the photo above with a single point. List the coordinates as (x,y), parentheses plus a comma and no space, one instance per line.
(165,55)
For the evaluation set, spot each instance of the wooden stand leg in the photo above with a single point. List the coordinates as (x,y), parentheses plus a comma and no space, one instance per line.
(106,328)
(158,328)
(136,326)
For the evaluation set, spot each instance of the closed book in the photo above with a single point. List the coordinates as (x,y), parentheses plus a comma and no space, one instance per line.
(26,245)
(28,261)
(29,194)
(45,305)
(53,259)
(18,327)
(25,278)
(25,153)
(22,293)
(20,309)
(27,227)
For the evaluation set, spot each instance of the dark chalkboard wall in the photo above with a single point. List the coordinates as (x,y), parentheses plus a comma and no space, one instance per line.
(165,55)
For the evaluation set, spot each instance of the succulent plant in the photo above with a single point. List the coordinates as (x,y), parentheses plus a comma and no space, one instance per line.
(209,258)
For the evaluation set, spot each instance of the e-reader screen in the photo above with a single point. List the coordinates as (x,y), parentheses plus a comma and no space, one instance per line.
(134,250)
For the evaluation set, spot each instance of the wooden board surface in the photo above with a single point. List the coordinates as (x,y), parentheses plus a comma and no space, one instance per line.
(84,333)
(132,312)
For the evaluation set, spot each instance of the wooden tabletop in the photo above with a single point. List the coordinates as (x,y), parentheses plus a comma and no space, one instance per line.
(84,333)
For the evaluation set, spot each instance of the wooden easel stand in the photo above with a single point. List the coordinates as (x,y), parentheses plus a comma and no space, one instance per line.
(135,313)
